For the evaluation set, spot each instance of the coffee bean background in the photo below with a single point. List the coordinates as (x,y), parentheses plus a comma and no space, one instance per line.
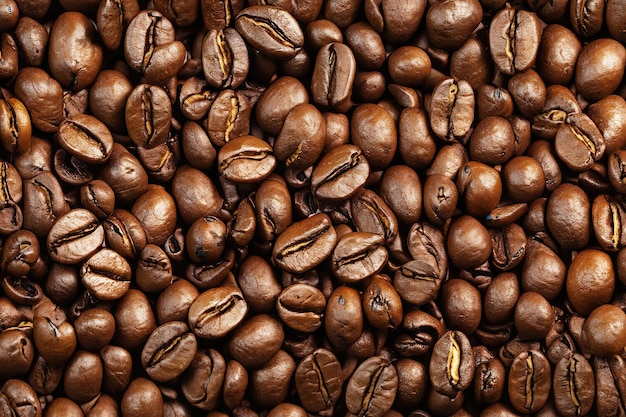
(372,208)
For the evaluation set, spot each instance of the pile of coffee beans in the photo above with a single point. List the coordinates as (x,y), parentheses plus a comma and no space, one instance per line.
(354,208)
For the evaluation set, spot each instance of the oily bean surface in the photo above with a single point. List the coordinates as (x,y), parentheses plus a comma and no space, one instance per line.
(371,208)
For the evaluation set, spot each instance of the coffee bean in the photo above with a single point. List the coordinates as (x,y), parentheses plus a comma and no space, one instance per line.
(216,312)
(150,47)
(514,38)
(246,159)
(74,236)
(372,387)
(229,117)
(452,109)
(339,173)
(529,381)
(271,30)
(305,244)
(168,351)
(574,385)
(333,76)
(319,369)
(106,274)
(86,138)
(225,58)
(301,307)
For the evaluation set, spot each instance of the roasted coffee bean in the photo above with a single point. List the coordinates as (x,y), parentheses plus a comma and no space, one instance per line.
(98,197)
(124,234)
(218,15)
(463,16)
(258,283)
(579,142)
(235,384)
(333,76)
(372,388)
(599,68)
(20,399)
(74,236)
(509,246)
(373,130)
(452,109)
(17,348)
(86,138)
(31,38)
(229,117)
(514,39)
(301,307)
(480,185)
(601,332)
(574,386)
(206,239)
(150,47)
(20,252)
(70,169)
(276,102)
(417,282)
(273,208)
(174,302)
(301,140)
(279,368)
(246,159)
(382,304)
(271,30)
(489,381)
(606,215)
(608,394)
(569,205)
(256,341)
(533,316)
(134,319)
(124,173)
(112,19)
(15,125)
(586,17)
(142,397)
(543,271)
(168,352)
(358,255)
(22,290)
(557,54)
(461,305)
(401,190)
(206,276)
(156,212)
(340,173)
(154,269)
(343,320)
(94,329)
(216,312)
(318,380)
(469,243)
(148,115)
(106,274)
(224,58)
(82,379)
(529,381)
(614,11)
(305,244)
(590,280)
(43,97)
(74,54)
(451,364)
